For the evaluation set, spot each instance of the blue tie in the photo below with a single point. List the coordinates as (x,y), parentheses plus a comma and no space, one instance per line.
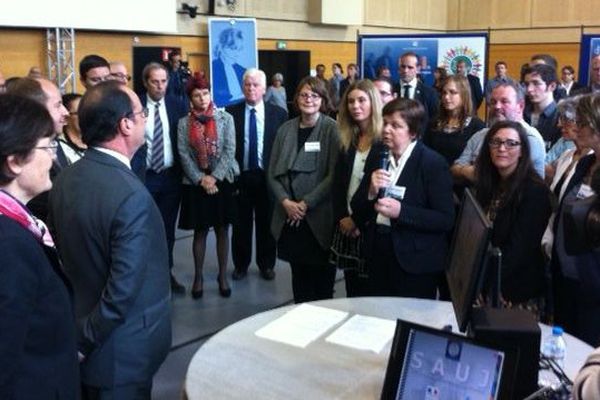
(252,141)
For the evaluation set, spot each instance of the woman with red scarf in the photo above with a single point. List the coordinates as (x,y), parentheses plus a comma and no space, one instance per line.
(37,324)
(206,143)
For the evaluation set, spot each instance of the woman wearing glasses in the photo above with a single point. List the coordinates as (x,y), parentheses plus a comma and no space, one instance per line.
(37,338)
(576,278)
(206,144)
(300,177)
(517,201)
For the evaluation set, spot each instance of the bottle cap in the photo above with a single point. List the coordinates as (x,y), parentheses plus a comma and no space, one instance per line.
(557,330)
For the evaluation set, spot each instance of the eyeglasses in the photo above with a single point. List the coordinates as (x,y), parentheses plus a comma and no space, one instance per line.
(311,96)
(565,120)
(508,143)
(145,112)
(51,148)
(581,123)
(120,77)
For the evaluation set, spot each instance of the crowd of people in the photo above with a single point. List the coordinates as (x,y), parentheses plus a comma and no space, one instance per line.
(91,186)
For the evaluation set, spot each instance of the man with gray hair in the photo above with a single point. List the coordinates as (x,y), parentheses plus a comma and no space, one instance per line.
(506,103)
(256,124)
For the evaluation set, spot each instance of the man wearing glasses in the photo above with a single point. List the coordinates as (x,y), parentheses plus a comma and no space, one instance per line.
(506,103)
(93,69)
(157,161)
(111,239)
(118,72)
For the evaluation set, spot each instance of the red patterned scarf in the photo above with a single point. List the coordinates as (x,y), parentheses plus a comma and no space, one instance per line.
(13,209)
(203,136)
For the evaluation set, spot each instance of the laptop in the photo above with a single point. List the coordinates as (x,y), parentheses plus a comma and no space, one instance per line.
(430,364)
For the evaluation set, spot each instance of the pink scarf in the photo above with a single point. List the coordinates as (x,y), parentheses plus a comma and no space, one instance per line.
(13,209)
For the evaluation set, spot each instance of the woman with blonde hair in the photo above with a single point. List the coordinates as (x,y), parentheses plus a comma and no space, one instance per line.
(455,123)
(359,124)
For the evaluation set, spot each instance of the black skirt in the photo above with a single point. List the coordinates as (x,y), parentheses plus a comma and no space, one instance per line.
(199,210)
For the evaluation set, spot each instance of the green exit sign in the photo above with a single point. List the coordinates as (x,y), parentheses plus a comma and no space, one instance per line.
(281,45)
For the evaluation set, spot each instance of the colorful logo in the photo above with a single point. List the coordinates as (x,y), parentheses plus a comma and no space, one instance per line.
(463,53)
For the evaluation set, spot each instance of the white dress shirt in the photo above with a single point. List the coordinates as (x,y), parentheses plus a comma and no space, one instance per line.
(121,157)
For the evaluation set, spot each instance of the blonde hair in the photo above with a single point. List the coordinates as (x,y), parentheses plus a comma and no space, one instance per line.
(348,128)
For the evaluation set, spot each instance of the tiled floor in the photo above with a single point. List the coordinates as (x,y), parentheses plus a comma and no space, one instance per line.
(194,321)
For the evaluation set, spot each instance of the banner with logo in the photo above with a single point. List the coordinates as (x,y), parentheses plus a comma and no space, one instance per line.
(432,51)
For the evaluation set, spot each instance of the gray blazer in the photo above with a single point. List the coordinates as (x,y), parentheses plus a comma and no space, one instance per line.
(313,172)
(111,238)
(225,167)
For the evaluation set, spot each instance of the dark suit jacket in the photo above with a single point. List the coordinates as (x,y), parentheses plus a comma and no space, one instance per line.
(38,350)
(174,113)
(111,238)
(476,91)
(428,97)
(419,234)
(518,232)
(274,117)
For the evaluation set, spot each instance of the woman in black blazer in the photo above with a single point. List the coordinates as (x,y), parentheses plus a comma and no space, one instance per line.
(359,123)
(518,203)
(410,204)
(37,329)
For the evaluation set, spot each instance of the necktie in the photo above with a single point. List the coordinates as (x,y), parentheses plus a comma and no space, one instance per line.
(406,94)
(157,161)
(252,141)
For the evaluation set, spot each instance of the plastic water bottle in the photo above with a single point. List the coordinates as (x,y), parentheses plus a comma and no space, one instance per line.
(554,348)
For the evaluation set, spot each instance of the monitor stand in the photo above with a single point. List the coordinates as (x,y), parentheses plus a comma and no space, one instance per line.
(516,329)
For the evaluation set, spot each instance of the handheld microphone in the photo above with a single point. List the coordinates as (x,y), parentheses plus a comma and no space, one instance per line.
(384,163)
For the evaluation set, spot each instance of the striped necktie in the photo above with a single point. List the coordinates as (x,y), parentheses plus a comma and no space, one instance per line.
(157,161)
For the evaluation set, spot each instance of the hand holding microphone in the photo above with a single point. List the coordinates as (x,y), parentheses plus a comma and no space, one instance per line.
(380,179)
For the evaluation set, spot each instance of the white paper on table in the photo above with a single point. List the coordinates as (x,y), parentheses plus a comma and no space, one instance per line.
(364,333)
(302,325)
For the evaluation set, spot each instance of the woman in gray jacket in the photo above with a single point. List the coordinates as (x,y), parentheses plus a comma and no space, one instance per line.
(300,176)
(206,144)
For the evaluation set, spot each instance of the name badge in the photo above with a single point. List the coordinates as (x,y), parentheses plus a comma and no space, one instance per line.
(585,191)
(312,147)
(396,192)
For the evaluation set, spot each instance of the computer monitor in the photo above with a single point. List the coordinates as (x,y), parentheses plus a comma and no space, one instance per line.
(468,258)
(431,364)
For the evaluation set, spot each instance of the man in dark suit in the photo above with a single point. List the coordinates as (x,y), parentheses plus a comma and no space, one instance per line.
(411,88)
(112,241)
(157,161)
(474,83)
(256,124)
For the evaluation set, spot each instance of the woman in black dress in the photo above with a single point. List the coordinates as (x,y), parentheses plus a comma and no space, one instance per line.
(206,144)
(455,124)
(518,203)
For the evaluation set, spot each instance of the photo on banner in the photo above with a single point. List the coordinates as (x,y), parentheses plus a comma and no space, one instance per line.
(590,47)
(375,51)
(232,50)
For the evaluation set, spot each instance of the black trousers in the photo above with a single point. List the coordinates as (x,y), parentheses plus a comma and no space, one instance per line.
(387,278)
(253,209)
(165,189)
